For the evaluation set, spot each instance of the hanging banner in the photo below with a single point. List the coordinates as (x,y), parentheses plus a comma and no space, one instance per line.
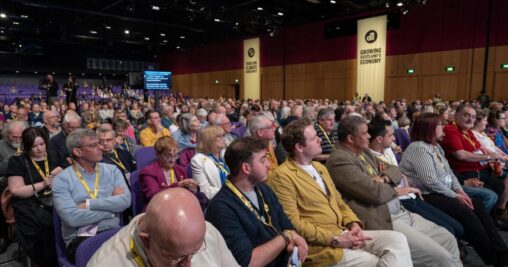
(371,57)
(251,71)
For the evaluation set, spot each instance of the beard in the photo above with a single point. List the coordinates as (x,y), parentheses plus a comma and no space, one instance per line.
(16,145)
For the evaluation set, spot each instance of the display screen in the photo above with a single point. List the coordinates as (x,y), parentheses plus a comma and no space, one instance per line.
(157,80)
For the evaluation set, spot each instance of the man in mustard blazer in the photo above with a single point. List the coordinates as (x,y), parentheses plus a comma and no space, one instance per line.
(316,209)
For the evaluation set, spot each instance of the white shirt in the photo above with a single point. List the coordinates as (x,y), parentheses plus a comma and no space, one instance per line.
(315,174)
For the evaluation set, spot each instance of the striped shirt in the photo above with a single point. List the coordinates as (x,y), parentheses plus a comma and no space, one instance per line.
(428,170)
(327,140)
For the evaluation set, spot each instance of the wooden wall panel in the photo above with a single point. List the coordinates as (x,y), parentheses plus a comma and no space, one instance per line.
(337,79)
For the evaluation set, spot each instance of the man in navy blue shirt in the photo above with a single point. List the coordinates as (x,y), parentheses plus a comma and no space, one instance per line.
(247,213)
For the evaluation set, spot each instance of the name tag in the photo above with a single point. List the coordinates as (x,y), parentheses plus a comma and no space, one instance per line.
(89,230)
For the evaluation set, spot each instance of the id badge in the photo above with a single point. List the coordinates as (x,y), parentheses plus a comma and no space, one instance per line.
(89,230)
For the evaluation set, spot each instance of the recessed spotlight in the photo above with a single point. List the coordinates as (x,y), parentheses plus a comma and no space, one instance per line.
(24,16)
(332,2)
(70,73)
(147,38)
(156,8)
(93,32)
(108,27)
(35,72)
(165,41)
(20,45)
(17,71)
(182,37)
(100,74)
(114,75)
(280,13)
(53,73)
(3,15)
(260,8)
(400,4)
(177,47)
(82,74)
(15,23)
(126,32)
(216,20)
(163,34)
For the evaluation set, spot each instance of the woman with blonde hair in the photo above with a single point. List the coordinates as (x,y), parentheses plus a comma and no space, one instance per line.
(208,167)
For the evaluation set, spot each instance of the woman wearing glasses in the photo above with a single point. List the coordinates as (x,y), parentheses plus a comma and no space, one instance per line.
(29,177)
(164,173)
(208,167)
(427,169)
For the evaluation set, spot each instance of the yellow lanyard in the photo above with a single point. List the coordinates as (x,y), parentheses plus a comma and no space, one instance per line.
(370,170)
(326,135)
(85,185)
(468,138)
(248,204)
(127,145)
(171,177)
(135,255)
(44,174)
(118,162)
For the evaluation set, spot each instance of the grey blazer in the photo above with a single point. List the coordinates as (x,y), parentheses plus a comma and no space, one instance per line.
(365,196)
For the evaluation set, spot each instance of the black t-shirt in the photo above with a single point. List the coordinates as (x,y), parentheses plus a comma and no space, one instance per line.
(17,166)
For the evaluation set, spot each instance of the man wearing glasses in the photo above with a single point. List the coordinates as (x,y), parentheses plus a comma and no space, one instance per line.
(88,195)
(172,232)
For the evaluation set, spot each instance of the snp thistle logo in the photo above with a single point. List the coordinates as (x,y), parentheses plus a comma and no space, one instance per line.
(371,36)
(251,52)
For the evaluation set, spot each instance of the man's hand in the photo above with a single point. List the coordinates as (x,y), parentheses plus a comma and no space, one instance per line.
(350,239)
(401,191)
(159,128)
(378,179)
(464,199)
(117,191)
(190,184)
(56,171)
(298,241)
(473,182)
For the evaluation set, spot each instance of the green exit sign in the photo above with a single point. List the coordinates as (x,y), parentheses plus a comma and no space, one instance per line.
(449,69)
(410,71)
(504,66)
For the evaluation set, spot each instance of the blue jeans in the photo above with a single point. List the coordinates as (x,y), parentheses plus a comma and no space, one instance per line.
(487,196)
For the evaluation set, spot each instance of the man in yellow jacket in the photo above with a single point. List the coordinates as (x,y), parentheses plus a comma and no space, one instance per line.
(316,209)
(154,129)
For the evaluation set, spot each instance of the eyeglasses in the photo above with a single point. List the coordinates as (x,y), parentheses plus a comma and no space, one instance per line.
(91,146)
(180,259)
(168,156)
(103,141)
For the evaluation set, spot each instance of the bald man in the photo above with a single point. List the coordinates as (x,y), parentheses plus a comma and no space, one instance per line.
(172,232)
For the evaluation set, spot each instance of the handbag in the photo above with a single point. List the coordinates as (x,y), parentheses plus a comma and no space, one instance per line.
(46,198)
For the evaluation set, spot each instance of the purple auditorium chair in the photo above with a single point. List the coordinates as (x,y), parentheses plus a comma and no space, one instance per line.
(144,156)
(91,245)
(61,252)
(239,131)
(137,202)
(185,157)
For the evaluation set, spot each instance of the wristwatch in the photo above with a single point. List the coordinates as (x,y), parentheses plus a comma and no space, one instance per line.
(335,241)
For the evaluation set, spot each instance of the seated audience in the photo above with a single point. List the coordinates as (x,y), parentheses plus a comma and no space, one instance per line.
(189,126)
(120,158)
(381,138)
(50,126)
(11,143)
(372,193)
(88,195)
(123,141)
(57,150)
(468,161)
(263,128)
(30,176)
(247,213)
(325,129)
(425,165)
(172,232)
(154,129)
(35,116)
(164,173)
(223,121)
(494,130)
(324,220)
(208,167)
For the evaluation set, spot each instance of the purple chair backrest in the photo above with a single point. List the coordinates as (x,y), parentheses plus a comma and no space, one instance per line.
(144,156)
(86,249)
(239,131)
(137,202)
(185,157)
(61,252)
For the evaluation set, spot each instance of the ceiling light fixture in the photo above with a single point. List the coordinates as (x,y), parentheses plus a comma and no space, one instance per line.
(24,16)
(400,4)
(177,47)
(216,20)
(163,34)
(3,15)
(93,32)
(156,8)
(126,32)
(280,13)
(15,23)
(260,8)
(404,11)
(165,41)
(332,2)
(182,37)
(147,38)
(108,27)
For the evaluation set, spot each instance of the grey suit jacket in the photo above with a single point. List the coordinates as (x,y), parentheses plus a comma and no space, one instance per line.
(365,196)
